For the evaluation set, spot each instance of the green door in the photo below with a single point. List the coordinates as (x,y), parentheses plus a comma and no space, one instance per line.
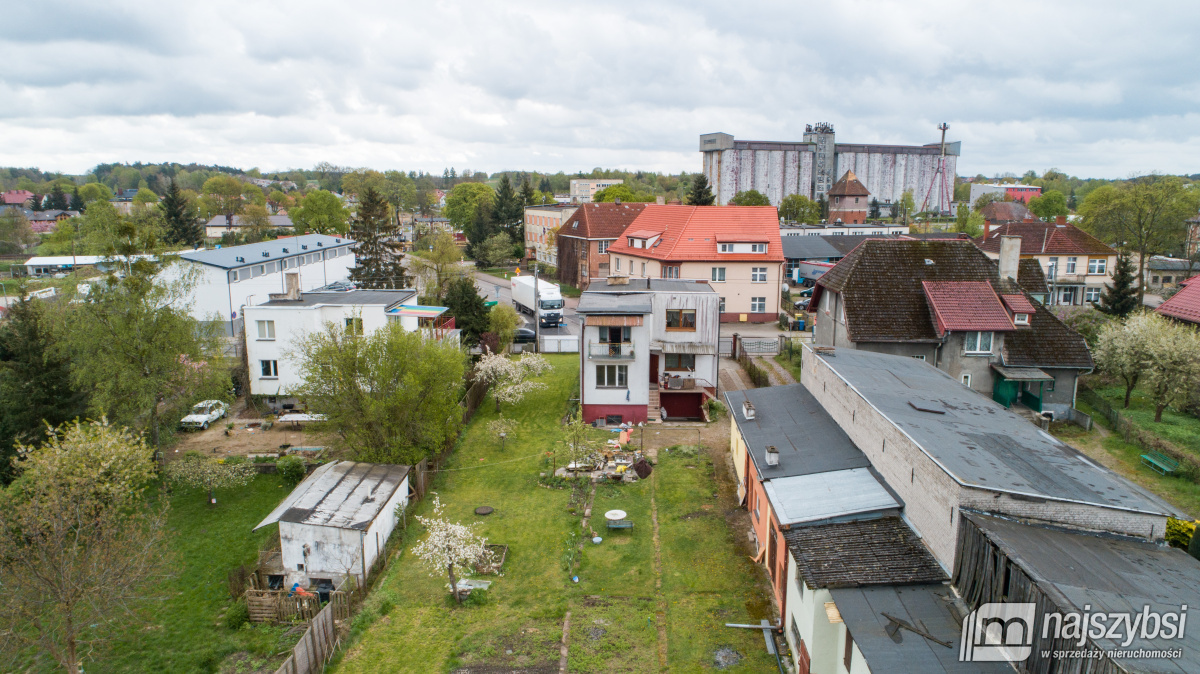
(1004,391)
(1031,399)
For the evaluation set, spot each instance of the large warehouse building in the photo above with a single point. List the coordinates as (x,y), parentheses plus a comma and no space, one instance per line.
(811,167)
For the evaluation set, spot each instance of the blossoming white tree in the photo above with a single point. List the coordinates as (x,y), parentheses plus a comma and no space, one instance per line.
(510,378)
(450,544)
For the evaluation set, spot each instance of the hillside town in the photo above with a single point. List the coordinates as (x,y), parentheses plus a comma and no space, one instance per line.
(399,418)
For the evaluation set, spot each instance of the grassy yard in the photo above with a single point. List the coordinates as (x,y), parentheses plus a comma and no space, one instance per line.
(186,633)
(1178,427)
(627,612)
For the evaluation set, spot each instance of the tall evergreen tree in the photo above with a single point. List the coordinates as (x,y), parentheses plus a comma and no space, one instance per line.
(38,203)
(76,202)
(700,194)
(379,253)
(527,193)
(481,228)
(57,201)
(508,211)
(1120,298)
(35,382)
(183,227)
(469,310)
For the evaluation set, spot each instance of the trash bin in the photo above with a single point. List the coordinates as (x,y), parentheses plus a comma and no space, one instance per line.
(799,325)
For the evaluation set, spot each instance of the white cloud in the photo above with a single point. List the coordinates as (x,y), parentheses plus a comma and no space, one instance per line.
(1092,88)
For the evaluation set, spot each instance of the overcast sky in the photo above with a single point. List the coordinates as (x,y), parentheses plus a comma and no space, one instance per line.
(1094,88)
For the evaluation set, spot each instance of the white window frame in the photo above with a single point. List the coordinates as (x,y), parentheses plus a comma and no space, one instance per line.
(266,330)
(760,302)
(1020,319)
(602,246)
(1091,294)
(619,372)
(758,274)
(718,274)
(720,305)
(616,264)
(973,342)
(1071,264)
(920,358)
(758,248)
(724,247)
(268,369)
(1097,265)
(966,380)
(643,269)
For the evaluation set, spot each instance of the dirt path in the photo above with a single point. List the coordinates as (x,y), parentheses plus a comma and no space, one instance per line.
(733,377)
(775,373)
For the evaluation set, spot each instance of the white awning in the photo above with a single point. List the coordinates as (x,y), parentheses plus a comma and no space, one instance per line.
(689,347)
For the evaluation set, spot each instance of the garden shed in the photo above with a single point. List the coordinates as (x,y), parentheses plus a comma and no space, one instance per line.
(336,522)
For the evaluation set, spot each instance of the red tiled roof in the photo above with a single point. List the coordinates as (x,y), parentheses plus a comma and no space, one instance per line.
(600,221)
(1018,304)
(966,305)
(739,237)
(1185,304)
(17,197)
(690,232)
(849,186)
(643,233)
(1045,238)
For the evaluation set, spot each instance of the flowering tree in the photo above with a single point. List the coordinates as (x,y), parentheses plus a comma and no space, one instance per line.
(1151,349)
(579,442)
(203,473)
(448,545)
(510,378)
(1122,350)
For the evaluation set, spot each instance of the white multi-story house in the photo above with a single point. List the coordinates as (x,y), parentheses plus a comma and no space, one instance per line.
(649,347)
(274,327)
(583,189)
(228,279)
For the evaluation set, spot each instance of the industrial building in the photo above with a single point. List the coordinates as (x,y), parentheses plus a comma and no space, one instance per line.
(811,166)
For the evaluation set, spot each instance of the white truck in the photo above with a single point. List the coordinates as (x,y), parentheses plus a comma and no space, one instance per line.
(550,309)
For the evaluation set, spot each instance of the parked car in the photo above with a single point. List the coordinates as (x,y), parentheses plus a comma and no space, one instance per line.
(801,305)
(524,336)
(203,414)
(807,292)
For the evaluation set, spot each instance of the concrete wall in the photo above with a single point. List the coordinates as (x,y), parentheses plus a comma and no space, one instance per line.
(737,289)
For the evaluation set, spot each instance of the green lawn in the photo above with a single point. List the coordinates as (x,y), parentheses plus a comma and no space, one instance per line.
(186,633)
(409,624)
(790,364)
(1178,427)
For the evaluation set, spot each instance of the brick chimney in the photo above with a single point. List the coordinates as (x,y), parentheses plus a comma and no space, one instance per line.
(987,227)
(292,282)
(1060,220)
(1010,256)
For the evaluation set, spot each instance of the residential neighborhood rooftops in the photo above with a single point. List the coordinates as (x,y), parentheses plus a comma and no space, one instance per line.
(790,419)
(838,494)
(809,248)
(1163,263)
(926,607)
(600,221)
(341,494)
(252,253)
(1045,238)
(690,232)
(1184,305)
(966,305)
(1018,304)
(880,551)
(358,297)
(978,441)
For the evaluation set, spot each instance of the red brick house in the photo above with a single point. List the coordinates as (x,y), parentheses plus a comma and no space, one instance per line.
(849,200)
(583,240)
(1185,304)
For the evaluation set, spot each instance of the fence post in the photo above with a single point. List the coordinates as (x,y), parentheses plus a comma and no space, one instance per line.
(734,347)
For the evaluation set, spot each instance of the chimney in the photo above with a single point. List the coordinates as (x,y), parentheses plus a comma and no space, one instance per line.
(292,283)
(618,280)
(1060,220)
(747,409)
(661,201)
(772,456)
(1010,256)
(987,227)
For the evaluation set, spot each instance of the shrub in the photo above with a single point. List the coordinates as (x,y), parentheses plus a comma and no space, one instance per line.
(239,580)
(1179,533)
(237,615)
(715,408)
(291,469)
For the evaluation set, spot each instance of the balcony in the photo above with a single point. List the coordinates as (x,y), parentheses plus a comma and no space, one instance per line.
(610,351)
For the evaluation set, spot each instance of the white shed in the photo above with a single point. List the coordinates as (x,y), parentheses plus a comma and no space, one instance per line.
(338,519)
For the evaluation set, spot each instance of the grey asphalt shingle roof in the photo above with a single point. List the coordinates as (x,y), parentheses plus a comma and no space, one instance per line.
(808,247)
(615,303)
(350,297)
(252,253)
(977,440)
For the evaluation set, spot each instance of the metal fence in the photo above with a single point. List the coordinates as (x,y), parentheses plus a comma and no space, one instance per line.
(725,346)
(767,347)
(560,344)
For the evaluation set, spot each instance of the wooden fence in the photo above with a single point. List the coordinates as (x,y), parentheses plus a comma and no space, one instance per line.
(318,644)
(275,606)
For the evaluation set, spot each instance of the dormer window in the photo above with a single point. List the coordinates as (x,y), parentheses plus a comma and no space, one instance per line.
(725,247)
(1020,319)
(758,248)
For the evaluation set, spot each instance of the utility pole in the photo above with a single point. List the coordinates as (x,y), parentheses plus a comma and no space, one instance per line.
(537,310)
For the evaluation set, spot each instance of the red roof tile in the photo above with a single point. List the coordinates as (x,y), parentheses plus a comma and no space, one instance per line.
(965,305)
(600,221)
(17,197)
(1045,238)
(1185,304)
(643,233)
(849,186)
(1018,304)
(690,232)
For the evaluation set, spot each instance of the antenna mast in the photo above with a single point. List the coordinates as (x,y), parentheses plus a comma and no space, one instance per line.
(939,174)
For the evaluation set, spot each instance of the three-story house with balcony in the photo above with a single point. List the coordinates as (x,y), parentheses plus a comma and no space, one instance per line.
(649,349)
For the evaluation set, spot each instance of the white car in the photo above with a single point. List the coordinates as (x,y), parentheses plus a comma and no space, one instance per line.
(203,414)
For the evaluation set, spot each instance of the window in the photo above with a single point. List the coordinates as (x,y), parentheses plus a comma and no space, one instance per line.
(978,342)
(1166,279)
(718,274)
(681,319)
(1097,265)
(632,244)
(670,272)
(920,358)
(1053,265)
(617,263)
(354,325)
(1091,294)
(721,305)
(680,361)
(643,269)
(259,270)
(602,246)
(725,247)
(758,274)
(266,329)
(758,248)
(1021,319)
(612,376)
(614,334)
(269,368)
(233,276)
(1071,265)
(1153,279)
(758,305)
(966,380)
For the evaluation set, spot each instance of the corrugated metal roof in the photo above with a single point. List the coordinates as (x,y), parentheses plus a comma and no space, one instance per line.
(808,247)
(688,347)
(823,496)
(342,495)
(1022,373)
(252,253)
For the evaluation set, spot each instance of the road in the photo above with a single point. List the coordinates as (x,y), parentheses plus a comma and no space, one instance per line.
(487,286)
